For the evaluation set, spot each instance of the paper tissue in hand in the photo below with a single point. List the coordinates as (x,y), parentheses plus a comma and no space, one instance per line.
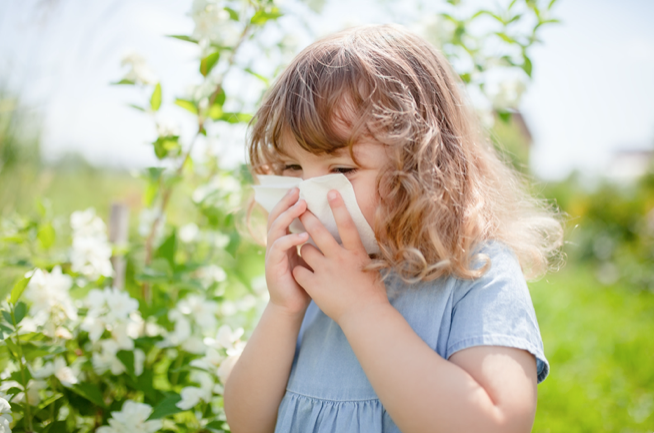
(314,191)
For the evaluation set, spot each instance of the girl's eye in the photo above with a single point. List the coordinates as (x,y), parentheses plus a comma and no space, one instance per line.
(345,170)
(292,167)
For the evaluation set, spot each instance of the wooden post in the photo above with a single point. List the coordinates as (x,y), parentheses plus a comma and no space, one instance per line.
(118,235)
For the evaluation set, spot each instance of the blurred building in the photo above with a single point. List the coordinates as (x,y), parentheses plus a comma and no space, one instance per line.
(628,165)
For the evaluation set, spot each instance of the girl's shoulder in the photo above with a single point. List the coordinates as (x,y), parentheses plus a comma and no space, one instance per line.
(495,309)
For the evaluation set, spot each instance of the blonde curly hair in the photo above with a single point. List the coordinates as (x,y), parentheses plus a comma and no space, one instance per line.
(446,192)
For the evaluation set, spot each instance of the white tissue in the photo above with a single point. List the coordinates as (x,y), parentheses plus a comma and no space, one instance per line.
(314,191)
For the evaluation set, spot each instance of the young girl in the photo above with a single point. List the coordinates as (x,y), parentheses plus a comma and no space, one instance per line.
(436,332)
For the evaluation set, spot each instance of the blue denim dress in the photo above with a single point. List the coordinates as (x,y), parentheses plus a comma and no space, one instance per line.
(328,391)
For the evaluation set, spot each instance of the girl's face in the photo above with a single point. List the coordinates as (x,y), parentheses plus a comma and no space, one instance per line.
(370,154)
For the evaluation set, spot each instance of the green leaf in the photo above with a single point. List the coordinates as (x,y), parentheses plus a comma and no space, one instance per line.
(150,193)
(216,425)
(155,100)
(259,76)
(168,248)
(527,66)
(261,16)
(19,312)
(514,18)
(549,6)
(127,358)
(18,289)
(137,107)
(207,64)
(187,105)
(122,82)
(46,235)
(7,315)
(505,116)
(236,117)
(166,407)
(184,38)
(165,146)
(215,112)
(506,38)
(56,427)
(233,15)
(90,392)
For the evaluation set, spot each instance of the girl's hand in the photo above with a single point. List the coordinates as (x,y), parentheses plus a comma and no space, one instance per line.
(282,256)
(336,281)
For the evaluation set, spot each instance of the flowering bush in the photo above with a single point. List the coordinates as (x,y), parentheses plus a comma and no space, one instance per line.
(87,348)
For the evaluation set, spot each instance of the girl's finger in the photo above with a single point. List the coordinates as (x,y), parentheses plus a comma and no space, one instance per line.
(280,225)
(285,243)
(320,235)
(310,255)
(287,201)
(344,222)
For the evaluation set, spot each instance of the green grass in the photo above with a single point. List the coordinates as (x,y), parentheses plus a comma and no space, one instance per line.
(600,344)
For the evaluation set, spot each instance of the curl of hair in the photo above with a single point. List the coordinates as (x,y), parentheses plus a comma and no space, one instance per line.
(445,191)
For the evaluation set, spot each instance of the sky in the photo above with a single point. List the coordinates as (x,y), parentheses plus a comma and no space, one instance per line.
(592,92)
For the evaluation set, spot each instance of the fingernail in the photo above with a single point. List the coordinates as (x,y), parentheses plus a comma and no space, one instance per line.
(292,191)
(331,195)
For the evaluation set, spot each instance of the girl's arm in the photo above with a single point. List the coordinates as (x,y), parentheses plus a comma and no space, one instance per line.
(481,389)
(257,383)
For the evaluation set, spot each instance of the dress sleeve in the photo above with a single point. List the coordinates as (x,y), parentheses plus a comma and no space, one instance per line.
(496,310)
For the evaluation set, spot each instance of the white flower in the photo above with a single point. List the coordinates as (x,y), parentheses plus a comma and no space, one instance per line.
(211,274)
(508,94)
(132,419)
(188,233)
(139,360)
(5,416)
(194,344)
(139,71)
(213,24)
(87,224)
(48,293)
(59,369)
(211,360)
(226,338)
(191,396)
(246,303)
(119,305)
(220,240)
(91,257)
(202,311)
(91,251)
(64,333)
(64,373)
(166,128)
(106,359)
(228,308)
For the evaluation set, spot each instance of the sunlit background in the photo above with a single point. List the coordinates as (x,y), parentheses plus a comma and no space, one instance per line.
(582,128)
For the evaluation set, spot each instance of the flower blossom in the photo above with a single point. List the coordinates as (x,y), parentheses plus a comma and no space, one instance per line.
(213,24)
(91,251)
(191,395)
(139,72)
(50,299)
(5,416)
(132,418)
(60,370)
